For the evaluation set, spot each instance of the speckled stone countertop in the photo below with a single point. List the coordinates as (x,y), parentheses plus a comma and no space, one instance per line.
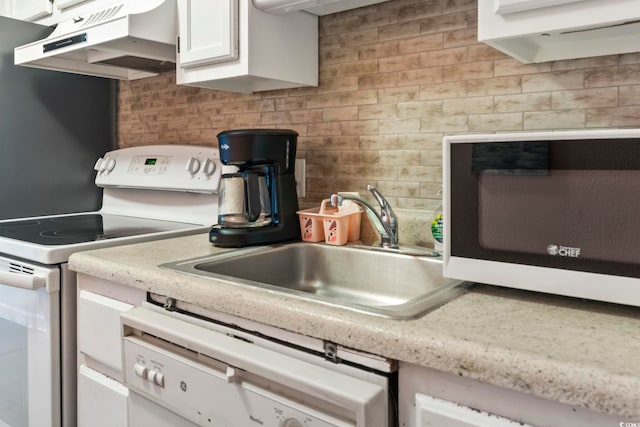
(577,352)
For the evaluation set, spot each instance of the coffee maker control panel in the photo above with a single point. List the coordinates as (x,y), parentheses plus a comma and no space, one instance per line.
(161,167)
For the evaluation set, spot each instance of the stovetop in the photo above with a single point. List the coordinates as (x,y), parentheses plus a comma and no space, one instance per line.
(53,239)
(83,228)
(149,193)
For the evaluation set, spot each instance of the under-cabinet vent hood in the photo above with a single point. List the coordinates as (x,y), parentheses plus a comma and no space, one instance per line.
(316,7)
(128,40)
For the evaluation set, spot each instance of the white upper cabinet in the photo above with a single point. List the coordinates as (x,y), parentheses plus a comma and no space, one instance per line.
(504,7)
(317,7)
(208,34)
(231,45)
(548,30)
(50,12)
(26,10)
(63,4)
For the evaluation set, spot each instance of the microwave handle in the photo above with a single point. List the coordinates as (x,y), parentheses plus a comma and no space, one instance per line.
(24,281)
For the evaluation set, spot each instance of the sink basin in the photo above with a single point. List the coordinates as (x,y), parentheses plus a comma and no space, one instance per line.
(379,283)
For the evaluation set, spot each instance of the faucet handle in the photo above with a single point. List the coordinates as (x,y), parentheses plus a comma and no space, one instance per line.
(381,200)
(384,204)
(387,215)
(387,222)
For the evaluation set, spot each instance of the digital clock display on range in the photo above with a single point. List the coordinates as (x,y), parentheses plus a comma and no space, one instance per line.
(150,162)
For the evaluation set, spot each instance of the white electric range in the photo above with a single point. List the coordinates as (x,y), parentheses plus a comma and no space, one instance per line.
(149,192)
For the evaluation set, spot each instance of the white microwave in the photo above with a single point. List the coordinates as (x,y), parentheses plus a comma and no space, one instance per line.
(554,212)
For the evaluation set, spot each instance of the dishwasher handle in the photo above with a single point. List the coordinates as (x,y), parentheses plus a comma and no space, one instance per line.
(21,280)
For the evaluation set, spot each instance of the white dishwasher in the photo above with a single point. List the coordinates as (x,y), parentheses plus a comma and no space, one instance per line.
(181,372)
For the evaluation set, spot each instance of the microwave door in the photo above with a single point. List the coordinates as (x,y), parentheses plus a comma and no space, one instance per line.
(564,204)
(555,212)
(572,213)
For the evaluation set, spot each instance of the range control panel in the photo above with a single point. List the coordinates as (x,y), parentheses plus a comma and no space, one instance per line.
(188,168)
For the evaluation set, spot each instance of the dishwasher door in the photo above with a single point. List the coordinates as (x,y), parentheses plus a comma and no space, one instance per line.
(209,378)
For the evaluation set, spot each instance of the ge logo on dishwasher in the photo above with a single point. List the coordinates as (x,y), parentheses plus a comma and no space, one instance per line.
(183,386)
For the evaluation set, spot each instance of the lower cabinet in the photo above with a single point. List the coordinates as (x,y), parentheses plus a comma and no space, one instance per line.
(143,412)
(96,392)
(426,397)
(432,398)
(434,412)
(99,316)
(139,366)
(103,401)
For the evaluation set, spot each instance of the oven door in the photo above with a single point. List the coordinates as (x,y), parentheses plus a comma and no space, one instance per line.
(555,212)
(29,344)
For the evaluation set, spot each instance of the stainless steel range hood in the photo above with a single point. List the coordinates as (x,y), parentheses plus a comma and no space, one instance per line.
(128,40)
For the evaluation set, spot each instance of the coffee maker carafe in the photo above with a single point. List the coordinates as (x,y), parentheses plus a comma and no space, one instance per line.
(258,204)
(244,200)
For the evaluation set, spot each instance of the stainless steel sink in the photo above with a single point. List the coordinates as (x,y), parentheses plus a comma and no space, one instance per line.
(380,283)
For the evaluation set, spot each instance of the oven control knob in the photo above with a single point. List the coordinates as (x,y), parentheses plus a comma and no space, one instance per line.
(193,165)
(292,422)
(209,167)
(140,371)
(110,164)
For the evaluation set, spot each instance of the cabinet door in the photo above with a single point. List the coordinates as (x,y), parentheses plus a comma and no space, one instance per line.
(99,328)
(144,412)
(504,7)
(63,4)
(26,10)
(434,412)
(208,31)
(102,402)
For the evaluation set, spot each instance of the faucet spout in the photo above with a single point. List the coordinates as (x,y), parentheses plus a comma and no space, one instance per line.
(387,221)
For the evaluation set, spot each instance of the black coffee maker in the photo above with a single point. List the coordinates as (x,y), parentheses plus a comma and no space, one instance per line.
(258,204)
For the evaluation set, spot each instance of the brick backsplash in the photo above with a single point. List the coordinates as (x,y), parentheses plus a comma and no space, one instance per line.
(394,79)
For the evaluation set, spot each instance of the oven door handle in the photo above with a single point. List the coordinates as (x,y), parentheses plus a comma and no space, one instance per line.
(24,281)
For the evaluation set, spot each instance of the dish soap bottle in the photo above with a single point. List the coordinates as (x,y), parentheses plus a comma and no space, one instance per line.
(437,227)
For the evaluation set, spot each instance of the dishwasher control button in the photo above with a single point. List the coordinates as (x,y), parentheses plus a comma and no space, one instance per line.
(159,379)
(292,422)
(140,371)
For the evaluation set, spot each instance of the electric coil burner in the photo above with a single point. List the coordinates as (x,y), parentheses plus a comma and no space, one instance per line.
(149,193)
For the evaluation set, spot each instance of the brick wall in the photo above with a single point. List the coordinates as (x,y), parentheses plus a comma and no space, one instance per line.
(394,78)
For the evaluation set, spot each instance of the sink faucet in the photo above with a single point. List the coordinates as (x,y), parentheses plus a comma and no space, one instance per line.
(387,219)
